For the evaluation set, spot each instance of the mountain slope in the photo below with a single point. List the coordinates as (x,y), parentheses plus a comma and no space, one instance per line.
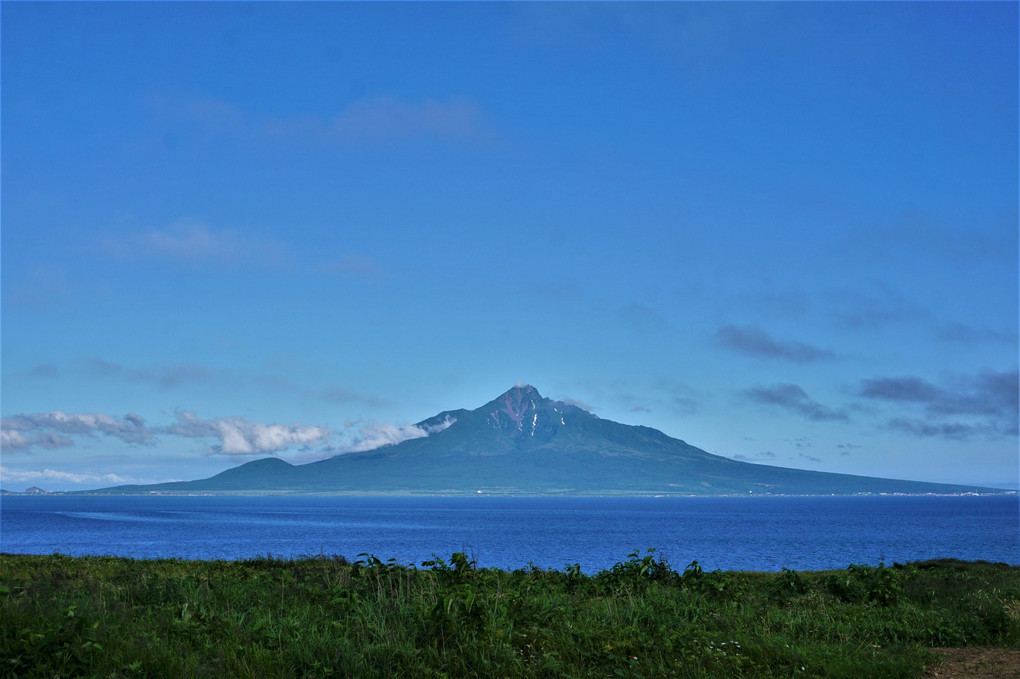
(521,442)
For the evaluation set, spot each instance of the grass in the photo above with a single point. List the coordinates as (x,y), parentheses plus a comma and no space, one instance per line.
(325,617)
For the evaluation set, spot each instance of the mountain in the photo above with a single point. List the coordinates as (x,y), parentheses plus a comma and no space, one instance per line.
(523,443)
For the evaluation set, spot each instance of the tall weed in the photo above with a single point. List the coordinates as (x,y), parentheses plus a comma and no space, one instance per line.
(328,617)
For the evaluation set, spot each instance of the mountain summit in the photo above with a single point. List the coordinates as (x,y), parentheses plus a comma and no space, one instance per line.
(524,443)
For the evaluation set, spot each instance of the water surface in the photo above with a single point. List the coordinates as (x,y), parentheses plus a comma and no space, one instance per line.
(763,533)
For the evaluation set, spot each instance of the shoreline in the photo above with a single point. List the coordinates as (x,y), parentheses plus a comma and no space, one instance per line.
(482,494)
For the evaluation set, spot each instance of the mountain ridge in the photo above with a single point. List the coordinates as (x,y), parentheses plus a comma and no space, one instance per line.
(522,443)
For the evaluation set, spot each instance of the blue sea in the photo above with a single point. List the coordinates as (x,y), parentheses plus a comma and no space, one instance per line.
(759,534)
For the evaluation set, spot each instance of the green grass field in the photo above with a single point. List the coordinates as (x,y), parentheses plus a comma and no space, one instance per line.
(325,617)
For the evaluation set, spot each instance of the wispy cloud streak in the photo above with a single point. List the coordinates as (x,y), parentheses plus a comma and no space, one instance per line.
(368,121)
(164,377)
(752,340)
(793,398)
(985,403)
(378,434)
(390,120)
(193,241)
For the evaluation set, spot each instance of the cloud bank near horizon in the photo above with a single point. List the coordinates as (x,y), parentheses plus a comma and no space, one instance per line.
(229,436)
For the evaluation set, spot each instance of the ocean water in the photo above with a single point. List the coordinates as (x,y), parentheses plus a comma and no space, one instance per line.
(761,534)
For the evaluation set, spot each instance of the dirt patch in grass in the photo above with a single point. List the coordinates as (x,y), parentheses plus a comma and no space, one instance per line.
(977,663)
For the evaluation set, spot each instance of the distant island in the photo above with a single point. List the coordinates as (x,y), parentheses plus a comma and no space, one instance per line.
(34,490)
(521,443)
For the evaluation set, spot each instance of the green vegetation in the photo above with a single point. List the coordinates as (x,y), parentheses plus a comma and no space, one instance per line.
(325,617)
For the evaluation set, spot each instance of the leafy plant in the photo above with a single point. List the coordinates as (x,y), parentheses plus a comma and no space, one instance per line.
(327,617)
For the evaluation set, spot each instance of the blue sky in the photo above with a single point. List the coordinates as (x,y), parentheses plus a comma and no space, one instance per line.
(785,233)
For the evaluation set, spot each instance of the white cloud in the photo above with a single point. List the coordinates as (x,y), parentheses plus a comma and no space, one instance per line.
(238,436)
(235,435)
(8,475)
(51,429)
(241,437)
(13,439)
(442,426)
(227,435)
(378,434)
(578,403)
(188,239)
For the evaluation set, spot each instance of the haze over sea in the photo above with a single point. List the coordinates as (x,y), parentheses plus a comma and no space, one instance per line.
(733,533)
